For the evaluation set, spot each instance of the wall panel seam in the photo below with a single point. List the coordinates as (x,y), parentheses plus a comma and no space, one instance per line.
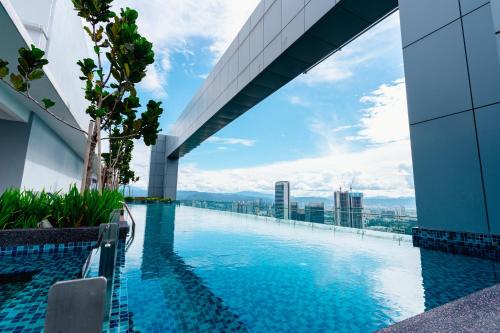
(475,122)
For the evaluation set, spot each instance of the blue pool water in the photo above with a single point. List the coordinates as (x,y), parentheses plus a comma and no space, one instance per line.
(195,270)
(192,270)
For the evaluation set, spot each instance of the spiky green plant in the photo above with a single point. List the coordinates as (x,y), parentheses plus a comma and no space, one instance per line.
(24,209)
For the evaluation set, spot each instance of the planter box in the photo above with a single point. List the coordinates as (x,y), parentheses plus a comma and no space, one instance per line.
(12,237)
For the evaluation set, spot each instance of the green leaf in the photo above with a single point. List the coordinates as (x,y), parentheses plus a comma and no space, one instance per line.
(101,112)
(23,66)
(89,32)
(87,67)
(18,82)
(48,103)
(36,52)
(36,74)
(4,70)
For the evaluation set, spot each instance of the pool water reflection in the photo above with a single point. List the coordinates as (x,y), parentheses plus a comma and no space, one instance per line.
(192,270)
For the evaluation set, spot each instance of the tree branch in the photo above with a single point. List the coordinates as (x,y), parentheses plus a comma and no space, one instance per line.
(120,137)
(29,97)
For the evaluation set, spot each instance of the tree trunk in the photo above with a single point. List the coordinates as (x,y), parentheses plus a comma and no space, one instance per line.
(99,164)
(93,144)
(86,158)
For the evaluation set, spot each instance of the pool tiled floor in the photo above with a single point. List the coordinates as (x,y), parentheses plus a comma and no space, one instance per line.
(23,302)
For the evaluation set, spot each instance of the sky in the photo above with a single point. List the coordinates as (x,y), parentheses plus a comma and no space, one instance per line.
(343,123)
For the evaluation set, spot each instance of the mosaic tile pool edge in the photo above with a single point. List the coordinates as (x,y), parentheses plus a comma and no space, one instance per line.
(20,250)
(486,246)
(120,320)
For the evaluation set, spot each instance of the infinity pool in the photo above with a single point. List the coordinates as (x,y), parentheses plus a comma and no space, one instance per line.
(196,270)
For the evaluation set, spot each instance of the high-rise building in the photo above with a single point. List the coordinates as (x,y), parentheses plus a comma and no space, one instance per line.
(294,210)
(401,211)
(315,212)
(282,200)
(356,210)
(342,207)
(348,208)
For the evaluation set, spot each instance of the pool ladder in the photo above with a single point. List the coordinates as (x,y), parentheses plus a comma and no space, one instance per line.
(130,240)
(66,297)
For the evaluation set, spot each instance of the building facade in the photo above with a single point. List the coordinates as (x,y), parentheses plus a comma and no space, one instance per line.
(36,150)
(356,210)
(341,206)
(315,212)
(452,75)
(282,200)
(348,209)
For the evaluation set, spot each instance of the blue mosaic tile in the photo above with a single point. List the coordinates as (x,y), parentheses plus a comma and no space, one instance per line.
(485,246)
(23,300)
(119,314)
(20,250)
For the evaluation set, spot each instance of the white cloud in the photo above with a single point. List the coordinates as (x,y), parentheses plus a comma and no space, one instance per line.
(386,119)
(377,171)
(343,128)
(231,141)
(140,163)
(155,82)
(169,24)
(297,100)
(383,167)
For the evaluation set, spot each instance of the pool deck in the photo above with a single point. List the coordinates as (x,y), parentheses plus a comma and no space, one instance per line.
(478,312)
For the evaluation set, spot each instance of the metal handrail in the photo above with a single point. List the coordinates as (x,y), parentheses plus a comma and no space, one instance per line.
(86,264)
(132,234)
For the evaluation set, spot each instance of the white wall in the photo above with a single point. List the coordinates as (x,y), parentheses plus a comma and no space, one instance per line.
(50,163)
(53,152)
(64,46)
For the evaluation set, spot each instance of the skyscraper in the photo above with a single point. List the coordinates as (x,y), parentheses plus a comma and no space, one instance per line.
(294,210)
(282,200)
(315,212)
(342,207)
(356,211)
(349,209)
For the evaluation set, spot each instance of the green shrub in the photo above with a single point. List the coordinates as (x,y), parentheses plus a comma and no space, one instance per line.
(24,209)
(146,200)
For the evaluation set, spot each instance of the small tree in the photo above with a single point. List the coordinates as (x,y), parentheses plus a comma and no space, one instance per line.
(111,87)
(117,163)
(113,97)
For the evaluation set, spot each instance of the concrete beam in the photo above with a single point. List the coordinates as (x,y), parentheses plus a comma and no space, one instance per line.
(281,40)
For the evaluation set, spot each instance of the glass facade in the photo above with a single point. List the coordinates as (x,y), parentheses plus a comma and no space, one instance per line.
(282,200)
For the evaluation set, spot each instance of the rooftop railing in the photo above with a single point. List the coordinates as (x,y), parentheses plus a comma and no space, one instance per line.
(355,220)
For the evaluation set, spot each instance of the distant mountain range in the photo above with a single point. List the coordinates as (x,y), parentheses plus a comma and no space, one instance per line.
(380,202)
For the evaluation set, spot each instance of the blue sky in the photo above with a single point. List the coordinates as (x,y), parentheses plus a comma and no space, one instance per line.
(345,121)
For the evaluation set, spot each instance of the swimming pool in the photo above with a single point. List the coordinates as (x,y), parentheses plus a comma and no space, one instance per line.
(192,270)
(197,270)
